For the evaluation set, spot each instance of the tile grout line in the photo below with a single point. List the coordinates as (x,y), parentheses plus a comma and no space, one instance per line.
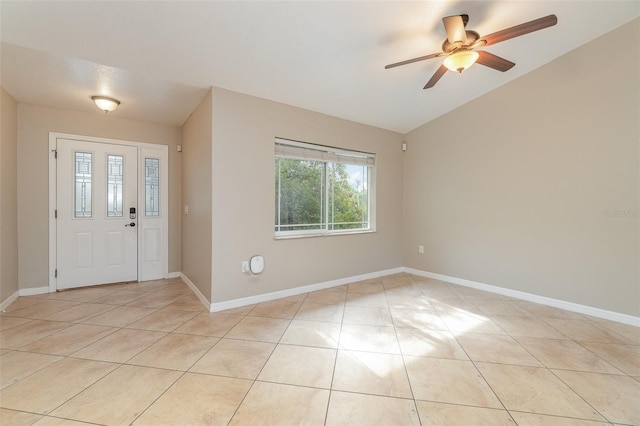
(254,380)
(543,366)
(579,396)
(335,363)
(69,356)
(402,354)
(279,342)
(473,362)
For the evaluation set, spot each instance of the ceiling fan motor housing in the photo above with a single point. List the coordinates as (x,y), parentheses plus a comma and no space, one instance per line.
(448,47)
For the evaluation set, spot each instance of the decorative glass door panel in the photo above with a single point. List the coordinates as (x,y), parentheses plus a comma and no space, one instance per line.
(152,186)
(83,178)
(97,238)
(115,179)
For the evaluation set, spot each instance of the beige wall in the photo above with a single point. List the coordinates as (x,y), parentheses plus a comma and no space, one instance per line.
(34,125)
(8,196)
(196,194)
(244,129)
(513,188)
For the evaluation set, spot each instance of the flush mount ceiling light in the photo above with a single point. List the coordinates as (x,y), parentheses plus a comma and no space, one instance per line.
(105,103)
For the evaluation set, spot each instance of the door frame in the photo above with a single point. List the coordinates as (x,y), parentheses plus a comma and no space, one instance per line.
(144,148)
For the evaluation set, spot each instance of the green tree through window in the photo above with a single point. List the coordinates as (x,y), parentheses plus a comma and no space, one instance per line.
(314,196)
(348,197)
(299,194)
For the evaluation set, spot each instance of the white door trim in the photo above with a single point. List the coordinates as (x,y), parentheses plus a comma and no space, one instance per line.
(164,182)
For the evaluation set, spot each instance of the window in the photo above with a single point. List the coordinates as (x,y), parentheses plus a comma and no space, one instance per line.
(115,175)
(152,187)
(322,190)
(83,178)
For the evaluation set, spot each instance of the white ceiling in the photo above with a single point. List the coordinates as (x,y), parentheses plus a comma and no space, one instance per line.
(160,58)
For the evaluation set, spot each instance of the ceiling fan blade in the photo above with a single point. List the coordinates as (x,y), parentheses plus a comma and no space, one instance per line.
(454,26)
(435,77)
(492,61)
(522,29)
(410,61)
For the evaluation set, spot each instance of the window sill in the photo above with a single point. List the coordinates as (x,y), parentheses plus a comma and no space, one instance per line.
(320,235)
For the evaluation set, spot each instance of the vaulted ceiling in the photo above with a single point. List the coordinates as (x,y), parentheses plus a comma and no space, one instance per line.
(160,58)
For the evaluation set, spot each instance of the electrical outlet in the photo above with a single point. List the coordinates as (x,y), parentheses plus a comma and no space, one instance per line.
(421,249)
(245,266)
(186,209)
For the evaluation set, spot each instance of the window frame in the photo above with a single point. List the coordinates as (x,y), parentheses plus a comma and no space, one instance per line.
(327,155)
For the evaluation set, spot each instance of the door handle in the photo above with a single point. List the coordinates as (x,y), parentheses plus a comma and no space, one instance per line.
(132,224)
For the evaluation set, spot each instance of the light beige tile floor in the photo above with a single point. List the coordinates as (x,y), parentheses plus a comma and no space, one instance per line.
(398,350)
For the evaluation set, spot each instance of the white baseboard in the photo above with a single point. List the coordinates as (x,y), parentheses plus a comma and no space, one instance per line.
(173,275)
(259,298)
(4,305)
(34,291)
(195,291)
(569,306)
(23,292)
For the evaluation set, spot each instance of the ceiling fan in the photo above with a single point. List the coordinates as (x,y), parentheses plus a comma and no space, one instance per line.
(460,46)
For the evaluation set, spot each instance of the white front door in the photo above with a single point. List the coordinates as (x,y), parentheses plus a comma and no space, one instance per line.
(97,233)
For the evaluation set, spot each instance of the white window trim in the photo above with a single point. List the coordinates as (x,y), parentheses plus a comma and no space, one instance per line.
(331,155)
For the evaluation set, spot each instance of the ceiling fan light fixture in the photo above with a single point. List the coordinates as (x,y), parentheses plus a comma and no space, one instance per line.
(105,103)
(461,60)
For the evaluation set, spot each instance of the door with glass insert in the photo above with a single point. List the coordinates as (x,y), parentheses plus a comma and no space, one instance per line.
(96,226)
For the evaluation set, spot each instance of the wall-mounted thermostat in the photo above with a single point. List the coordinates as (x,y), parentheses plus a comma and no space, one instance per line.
(256,265)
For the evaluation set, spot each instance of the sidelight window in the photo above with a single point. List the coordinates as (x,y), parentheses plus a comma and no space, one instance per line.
(152,186)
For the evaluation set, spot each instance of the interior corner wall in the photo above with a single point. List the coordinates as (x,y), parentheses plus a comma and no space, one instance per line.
(535,186)
(8,196)
(196,197)
(34,125)
(244,132)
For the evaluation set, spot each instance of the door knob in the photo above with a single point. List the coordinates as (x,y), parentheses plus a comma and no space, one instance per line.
(132,224)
